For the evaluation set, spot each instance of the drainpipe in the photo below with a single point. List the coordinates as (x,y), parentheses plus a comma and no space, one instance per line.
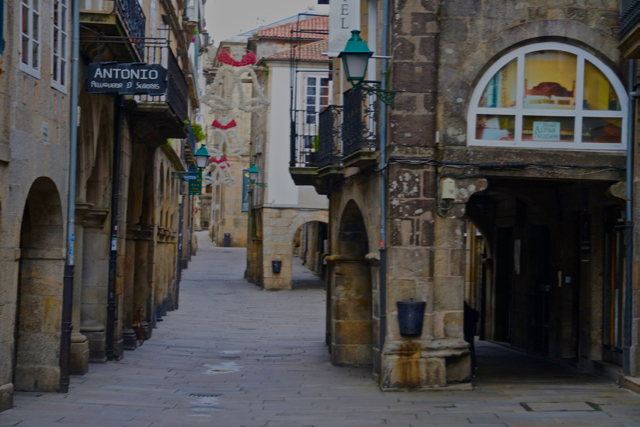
(113,254)
(67,287)
(628,300)
(383,184)
(306,243)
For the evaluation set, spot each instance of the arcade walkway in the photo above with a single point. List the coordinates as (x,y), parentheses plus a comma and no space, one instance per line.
(234,355)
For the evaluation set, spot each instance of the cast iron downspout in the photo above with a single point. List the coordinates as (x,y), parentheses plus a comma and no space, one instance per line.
(113,253)
(306,243)
(628,225)
(67,289)
(383,184)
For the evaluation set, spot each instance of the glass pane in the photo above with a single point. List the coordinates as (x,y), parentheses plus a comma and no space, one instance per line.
(63,70)
(63,18)
(56,12)
(324,91)
(311,100)
(55,68)
(595,129)
(63,45)
(25,50)
(495,128)
(311,81)
(501,89)
(311,90)
(548,128)
(25,20)
(599,93)
(35,5)
(56,35)
(36,27)
(34,58)
(550,80)
(324,82)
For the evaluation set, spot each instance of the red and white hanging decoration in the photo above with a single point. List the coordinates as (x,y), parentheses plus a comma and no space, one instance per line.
(234,70)
(223,139)
(218,172)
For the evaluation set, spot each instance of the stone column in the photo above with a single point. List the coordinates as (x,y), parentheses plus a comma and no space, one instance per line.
(128,334)
(426,262)
(95,276)
(351,305)
(79,364)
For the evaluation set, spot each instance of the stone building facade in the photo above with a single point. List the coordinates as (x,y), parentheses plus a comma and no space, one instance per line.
(129,208)
(465,148)
(277,208)
(34,162)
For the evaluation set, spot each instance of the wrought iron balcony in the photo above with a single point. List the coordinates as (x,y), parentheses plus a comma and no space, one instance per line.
(359,127)
(629,32)
(126,14)
(329,139)
(305,127)
(629,17)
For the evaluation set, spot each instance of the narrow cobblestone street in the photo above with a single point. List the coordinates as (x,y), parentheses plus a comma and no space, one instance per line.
(233,355)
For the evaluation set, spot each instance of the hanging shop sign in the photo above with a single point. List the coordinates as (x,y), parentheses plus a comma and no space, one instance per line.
(126,79)
(194,180)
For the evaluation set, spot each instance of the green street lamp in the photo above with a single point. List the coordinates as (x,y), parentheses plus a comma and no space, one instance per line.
(355,58)
(202,157)
(253,173)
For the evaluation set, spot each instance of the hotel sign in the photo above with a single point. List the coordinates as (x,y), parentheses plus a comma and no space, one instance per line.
(344,17)
(126,79)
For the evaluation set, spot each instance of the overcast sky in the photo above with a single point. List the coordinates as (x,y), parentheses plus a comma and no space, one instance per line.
(227,18)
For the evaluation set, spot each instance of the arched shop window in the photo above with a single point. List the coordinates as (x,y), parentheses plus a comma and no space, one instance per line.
(550,96)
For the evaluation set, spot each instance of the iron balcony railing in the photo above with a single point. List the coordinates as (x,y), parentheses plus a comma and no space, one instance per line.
(359,127)
(629,17)
(158,51)
(305,128)
(329,137)
(130,13)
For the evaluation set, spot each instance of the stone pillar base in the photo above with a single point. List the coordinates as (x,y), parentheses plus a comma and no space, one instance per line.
(129,338)
(6,397)
(146,330)
(96,342)
(432,365)
(37,378)
(79,356)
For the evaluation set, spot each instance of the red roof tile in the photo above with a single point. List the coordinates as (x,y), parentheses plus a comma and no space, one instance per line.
(308,52)
(299,29)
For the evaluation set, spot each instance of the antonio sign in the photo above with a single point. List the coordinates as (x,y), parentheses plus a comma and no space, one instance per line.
(126,79)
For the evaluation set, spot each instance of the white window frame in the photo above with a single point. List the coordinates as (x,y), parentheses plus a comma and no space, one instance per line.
(519,111)
(29,68)
(318,86)
(62,52)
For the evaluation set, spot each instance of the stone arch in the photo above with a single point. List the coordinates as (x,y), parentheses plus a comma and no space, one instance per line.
(351,292)
(39,300)
(282,251)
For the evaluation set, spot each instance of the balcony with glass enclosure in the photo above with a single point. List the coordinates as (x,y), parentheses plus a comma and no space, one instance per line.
(121,23)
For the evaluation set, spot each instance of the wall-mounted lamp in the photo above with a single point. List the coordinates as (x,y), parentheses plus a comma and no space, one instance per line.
(355,58)
(202,157)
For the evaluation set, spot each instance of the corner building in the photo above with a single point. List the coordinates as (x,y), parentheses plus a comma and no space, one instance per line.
(503,177)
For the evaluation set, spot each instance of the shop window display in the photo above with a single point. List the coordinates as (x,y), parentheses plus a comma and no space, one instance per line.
(549,95)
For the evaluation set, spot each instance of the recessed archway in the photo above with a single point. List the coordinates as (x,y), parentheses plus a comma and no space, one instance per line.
(39,309)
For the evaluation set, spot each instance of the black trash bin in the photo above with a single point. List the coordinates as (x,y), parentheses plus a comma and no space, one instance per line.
(227,240)
(276,266)
(411,317)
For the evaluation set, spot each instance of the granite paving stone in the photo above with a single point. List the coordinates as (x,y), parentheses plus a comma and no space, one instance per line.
(234,355)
